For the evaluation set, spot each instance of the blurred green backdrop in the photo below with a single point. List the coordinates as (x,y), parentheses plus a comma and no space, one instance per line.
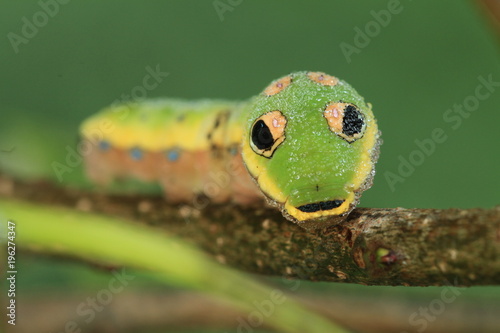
(414,68)
(425,60)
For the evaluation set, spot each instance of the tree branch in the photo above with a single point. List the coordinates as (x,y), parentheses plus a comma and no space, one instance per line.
(411,247)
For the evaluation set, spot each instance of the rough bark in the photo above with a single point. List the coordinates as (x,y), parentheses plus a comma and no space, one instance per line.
(374,246)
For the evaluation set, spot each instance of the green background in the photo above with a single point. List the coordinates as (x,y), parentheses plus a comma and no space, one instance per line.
(426,60)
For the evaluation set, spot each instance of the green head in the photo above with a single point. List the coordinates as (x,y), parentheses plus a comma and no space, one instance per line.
(311,143)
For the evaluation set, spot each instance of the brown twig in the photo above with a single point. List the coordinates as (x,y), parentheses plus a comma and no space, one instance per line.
(411,247)
(491,10)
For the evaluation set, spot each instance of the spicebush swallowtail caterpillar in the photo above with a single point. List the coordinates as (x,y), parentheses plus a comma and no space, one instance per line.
(308,144)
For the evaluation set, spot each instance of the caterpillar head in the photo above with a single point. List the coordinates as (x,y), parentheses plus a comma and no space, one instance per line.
(311,144)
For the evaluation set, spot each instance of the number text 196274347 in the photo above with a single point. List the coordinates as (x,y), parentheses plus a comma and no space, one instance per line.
(11,272)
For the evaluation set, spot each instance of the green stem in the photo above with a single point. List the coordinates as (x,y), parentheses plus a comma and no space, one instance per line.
(113,241)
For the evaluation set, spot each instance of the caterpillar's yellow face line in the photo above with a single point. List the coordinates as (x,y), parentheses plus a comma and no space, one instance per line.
(320,209)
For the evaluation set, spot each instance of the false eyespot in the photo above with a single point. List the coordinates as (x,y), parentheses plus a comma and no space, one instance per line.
(307,144)
(345,120)
(267,133)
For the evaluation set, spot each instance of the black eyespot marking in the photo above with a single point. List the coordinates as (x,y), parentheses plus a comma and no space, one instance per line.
(267,133)
(353,121)
(346,120)
(261,136)
(322,205)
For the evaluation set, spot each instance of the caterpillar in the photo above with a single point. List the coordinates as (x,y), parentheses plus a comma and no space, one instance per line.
(307,144)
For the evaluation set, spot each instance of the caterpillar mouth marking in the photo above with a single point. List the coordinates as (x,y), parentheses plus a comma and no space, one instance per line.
(322,205)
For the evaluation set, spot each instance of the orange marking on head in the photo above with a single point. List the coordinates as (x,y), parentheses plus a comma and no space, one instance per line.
(276,123)
(334,114)
(322,78)
(278,86)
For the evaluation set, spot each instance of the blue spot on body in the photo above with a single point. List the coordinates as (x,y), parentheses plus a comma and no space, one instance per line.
(173,154)
(104,145)
(233,150)
(136,153)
